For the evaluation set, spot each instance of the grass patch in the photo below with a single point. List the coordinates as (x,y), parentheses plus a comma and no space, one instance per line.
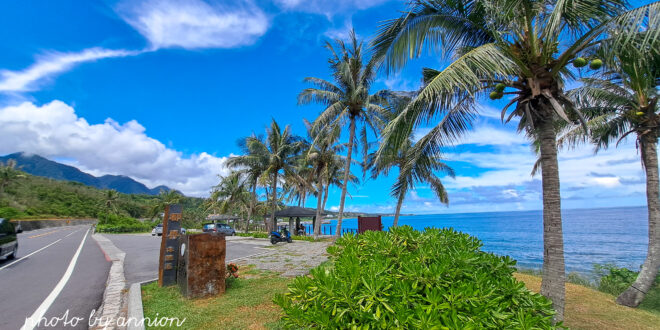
(590,309)
(247,304)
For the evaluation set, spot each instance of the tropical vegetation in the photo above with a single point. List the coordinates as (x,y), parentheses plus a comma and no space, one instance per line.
(623,101)
(409,279)
(522,49)
(347,101)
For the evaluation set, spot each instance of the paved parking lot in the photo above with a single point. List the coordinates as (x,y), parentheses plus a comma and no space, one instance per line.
(141,262)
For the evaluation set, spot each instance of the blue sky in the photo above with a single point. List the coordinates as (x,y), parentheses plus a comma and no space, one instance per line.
(162,90)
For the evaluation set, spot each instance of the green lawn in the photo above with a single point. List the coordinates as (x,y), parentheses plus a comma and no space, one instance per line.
(247,304)
(590,309)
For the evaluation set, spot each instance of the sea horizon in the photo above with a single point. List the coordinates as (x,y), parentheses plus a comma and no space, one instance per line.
(611,235)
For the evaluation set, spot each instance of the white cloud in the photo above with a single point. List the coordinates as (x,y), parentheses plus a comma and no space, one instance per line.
(195,24)
(51,64)
(607,182)
(54,130)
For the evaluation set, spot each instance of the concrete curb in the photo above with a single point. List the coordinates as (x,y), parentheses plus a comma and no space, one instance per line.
(135,309)
(111,307)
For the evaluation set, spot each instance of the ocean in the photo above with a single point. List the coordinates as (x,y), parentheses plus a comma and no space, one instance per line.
(591,236)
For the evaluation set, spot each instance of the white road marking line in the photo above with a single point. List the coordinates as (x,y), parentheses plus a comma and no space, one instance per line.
(71,233)
(33,320)
(17,260)
(21,258)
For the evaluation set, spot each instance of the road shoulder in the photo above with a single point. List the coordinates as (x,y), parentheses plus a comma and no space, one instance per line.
(112,307)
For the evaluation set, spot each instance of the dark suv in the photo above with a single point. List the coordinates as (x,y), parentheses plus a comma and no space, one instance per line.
(8,240)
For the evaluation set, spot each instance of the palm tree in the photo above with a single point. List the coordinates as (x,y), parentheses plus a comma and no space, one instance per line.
(230,194)
(165,197)
(322,155)
(252,164)
(620,102)
(414,165)
(347,99)
(111,198)
(8,173)
(298,185)
(278,154)
(525,46)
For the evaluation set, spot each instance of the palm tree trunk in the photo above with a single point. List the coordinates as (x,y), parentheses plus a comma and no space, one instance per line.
(634,295)
(253,197)
(319,205)
(346,177)
(273,186)
(398,210)
(325,194)
(554,276)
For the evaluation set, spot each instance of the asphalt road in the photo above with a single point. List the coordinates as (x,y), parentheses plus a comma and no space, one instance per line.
(56,270)
(59,274)
(141,261)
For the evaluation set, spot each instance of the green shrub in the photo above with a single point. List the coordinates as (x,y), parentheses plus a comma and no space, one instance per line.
(408,279)
(10,213)
(614,280)
(113,223)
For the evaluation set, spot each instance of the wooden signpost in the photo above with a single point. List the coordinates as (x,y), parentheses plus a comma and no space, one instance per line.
(169,245)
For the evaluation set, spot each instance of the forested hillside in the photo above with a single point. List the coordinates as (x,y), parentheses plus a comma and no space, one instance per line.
(40,166)
(26,196)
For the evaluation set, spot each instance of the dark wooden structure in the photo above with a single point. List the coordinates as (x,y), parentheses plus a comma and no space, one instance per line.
(201,269)
(369,223)
(169,245)
(296,212)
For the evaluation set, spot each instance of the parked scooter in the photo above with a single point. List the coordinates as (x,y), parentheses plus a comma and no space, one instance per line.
(284,236)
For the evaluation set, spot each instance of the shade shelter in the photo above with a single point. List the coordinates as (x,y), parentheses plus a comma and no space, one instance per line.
(296,212)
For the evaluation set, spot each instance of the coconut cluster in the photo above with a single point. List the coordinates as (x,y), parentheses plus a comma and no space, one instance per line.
(498,92)
(581,62)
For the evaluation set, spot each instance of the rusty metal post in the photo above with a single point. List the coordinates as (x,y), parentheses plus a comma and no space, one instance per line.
(201,271)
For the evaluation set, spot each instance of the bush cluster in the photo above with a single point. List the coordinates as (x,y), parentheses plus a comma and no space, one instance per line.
(614,280)
(409,279)
(113,223)
(264,235)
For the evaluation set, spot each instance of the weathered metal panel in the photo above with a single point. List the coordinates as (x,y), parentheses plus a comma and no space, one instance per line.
(201,271)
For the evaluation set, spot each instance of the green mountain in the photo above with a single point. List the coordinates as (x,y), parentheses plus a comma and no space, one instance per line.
(28,196)
(40,166)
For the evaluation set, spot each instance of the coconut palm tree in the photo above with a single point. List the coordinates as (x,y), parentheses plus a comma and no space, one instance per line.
(414,165)
(521,49)
(252,164)
(322,154)
(231,193)
(298,186)
(165,197)
(620,102)
(281,148)
(347,100)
